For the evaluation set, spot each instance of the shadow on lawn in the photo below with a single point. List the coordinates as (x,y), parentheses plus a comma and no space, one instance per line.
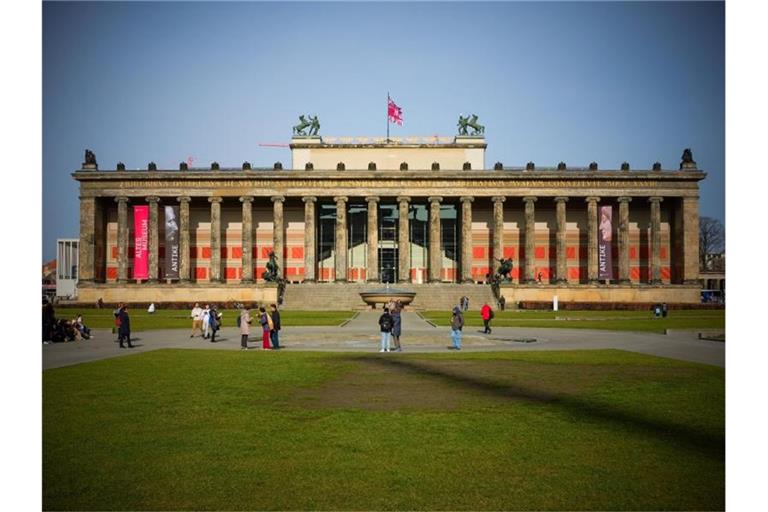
(712,446)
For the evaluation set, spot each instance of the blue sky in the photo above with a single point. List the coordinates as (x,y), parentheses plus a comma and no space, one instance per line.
(573,82)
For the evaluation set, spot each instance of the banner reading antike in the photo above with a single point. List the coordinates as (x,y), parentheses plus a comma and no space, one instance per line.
(171,242)
(141,241)
(604,237)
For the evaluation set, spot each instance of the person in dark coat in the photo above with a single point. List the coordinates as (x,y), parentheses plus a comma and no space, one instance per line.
(214,322)
(125,327)
(49,321)
(274,333)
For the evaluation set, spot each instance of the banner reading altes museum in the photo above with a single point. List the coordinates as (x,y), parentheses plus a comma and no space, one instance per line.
(141,242)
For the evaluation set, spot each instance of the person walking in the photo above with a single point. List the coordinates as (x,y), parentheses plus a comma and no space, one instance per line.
(385,326)
(457,323)
(214,322)
(486,313)
(274,333)
(245,326)
(397,325)
(125,327)
(264,320)
(206,322)
(197,320)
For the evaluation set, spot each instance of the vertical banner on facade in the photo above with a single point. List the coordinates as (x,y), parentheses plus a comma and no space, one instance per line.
(141,242)
(604,237)
(171,242)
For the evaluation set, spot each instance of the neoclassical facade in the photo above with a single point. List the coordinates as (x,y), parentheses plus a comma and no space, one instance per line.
(414,212)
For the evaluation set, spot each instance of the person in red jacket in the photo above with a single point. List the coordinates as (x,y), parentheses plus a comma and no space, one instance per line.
(486,314)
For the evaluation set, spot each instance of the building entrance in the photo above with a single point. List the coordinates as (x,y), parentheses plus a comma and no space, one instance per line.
(388,265)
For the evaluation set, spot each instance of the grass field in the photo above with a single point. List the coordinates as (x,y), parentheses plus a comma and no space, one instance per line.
(611,320)
(186,429)
(177,318)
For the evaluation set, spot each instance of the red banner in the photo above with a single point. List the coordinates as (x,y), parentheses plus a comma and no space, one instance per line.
(604,237)
(141,242)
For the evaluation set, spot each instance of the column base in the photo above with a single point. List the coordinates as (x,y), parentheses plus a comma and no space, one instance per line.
(656,281)
(594,281)
(468,281)
(560,281)
(248,280)
(435,281)
(372,280)
(404,281)
(625,281)
(151,281)
(691,281)
(309,281)
(340,281)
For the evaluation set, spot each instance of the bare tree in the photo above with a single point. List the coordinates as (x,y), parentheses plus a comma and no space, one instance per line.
(711,240)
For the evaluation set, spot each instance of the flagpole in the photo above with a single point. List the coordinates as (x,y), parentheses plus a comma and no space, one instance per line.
(388,117)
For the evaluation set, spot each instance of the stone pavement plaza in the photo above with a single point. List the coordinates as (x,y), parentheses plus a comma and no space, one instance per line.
(361,334)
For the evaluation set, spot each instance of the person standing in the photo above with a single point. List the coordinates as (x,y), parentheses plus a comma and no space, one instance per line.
(274,333)
(214,322)
(457,323)
(49,321)
(385,326)
(245,326)
(264,321)
(125,327)
(197,320)
(151,308)
(486,314)
(206,321)
(397,325)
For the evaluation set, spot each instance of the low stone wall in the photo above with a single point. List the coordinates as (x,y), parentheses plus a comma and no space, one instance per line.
(608,294)
(133,293)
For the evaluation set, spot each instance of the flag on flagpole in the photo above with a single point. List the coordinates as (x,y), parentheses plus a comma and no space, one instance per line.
(394,113)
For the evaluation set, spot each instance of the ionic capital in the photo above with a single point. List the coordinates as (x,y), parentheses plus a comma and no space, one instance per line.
(309,199)
(246,199)
(592,199)
(183,199)
(530,199)
(372,199)
(122,199)
(434,199)
(561,199)
(214,200)
(340,199)
(655,199)
(467,199)
(153,199)
(277,199)
(403,199)
(624,199)
(498,199)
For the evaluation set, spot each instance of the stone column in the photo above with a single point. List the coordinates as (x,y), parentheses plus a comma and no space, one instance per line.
(341,238)
(530,240)
(372,273)
(562,266)
(592,224)
(403,242)
(153,244)
(247,239)
(690,250)
(122,239)
(215,276)
(466,239)
(655,239)
(309,238)
(86,270)
(435,257)
(624,239)
(184,266)
(498,229)
(278,234)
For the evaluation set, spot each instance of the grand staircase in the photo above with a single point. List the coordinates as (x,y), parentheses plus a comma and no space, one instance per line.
(345,296)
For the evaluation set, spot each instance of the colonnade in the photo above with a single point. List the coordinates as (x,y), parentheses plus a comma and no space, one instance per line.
(688,250)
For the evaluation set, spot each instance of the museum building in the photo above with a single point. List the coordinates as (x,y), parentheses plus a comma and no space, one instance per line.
(425,213)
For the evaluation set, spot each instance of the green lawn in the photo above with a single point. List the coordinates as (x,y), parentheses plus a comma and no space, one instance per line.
(201,430)
(611,320)
(178,318)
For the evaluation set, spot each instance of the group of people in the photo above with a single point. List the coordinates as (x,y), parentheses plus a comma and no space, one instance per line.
(270,327)
(206,320)
(61,330)
(391,326)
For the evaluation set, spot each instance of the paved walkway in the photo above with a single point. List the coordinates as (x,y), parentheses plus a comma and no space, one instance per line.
(361,334)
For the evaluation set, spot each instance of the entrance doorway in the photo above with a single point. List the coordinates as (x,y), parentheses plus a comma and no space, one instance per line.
(388,265)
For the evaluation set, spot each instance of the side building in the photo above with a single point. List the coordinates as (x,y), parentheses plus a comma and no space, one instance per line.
(421,212)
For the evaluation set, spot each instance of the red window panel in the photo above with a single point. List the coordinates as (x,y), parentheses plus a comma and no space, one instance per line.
(206,253)
(297,252)
(265,252)
(201,273)
(573,273)
(666,273)
(634,273)
(230,273)
(632,252)
(111,272)
(258,271)
(663,253)
(509,252)
(570,253)
(478,252)
(515,273)
(540,252)
(352,274)
(237,252)
(114,252)
(363,272)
